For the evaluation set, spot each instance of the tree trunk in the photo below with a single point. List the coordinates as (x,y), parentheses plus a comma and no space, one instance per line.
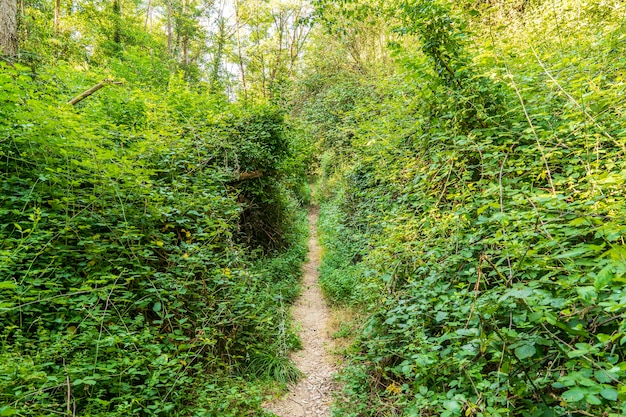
(242,67)
(216,65)
(169,28)
(57,14)
(148,15)
(8,27)
(280,23)
(184,43)
(117,16)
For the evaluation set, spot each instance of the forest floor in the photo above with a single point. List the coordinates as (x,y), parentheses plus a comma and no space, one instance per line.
(312,395)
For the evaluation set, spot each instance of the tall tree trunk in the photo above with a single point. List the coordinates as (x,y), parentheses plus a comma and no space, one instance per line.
(57,14)
(184,42)
(148,13)
(8,27)
(216,65)
(169,28)
(117,15)
(280,22)
(257,52)
(242,67)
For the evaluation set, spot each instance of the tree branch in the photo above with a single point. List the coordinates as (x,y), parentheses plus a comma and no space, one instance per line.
(92,90)
(244,176)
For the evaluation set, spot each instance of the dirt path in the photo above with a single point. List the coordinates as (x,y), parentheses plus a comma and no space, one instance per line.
(312,395)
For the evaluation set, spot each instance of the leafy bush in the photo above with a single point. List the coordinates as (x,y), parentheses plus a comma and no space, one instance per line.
(124,278)
(479,209)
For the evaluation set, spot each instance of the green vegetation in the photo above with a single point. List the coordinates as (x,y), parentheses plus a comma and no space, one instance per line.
(471,172)
(472,180)
(141,271)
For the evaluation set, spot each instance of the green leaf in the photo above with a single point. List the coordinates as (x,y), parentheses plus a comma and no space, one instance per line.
(452,405)
(574,253)
(573,395)
(482,209)
(7,411)
(156,307)
(592,399)
(578,221)
(86,381)
(577,353)
(587,293)
(525,351)
(604,277)
(609,394)
(604,376)
(7,285)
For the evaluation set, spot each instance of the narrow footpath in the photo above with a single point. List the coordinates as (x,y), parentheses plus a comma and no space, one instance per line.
(311,396)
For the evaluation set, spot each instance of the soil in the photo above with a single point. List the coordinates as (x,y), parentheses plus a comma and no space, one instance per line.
(312,395)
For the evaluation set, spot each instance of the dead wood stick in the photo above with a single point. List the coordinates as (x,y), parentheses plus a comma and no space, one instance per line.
(92,90)
(249,175)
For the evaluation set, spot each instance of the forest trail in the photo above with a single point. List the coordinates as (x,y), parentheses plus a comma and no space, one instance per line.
(312,395)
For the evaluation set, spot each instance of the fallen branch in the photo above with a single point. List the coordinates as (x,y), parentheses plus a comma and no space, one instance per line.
(92,90)
(244,176)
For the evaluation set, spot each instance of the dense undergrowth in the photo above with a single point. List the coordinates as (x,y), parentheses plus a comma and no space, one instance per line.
(472,183)
(139,273)
(473,206)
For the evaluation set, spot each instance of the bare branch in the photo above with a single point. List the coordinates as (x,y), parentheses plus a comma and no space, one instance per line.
(92,90)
